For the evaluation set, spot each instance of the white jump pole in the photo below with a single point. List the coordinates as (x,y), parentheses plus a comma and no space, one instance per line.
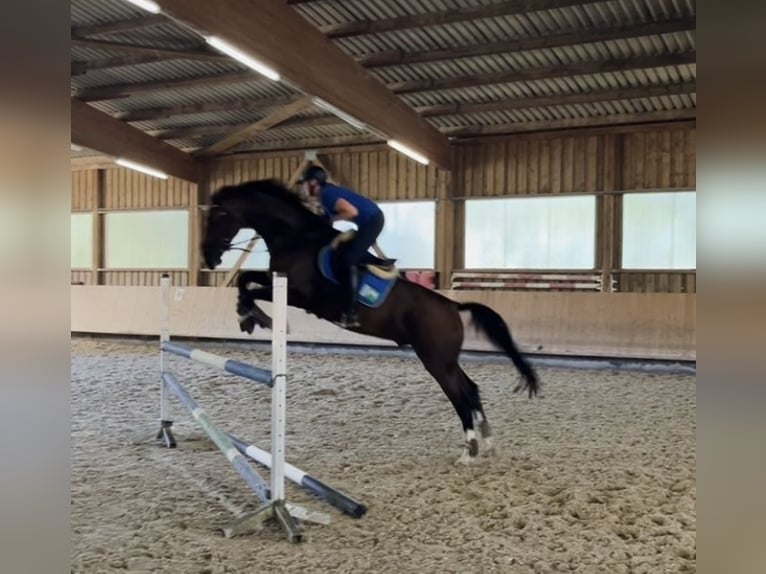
(166,420)
(279,388)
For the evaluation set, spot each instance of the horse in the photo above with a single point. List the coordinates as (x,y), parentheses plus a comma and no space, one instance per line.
(411,314)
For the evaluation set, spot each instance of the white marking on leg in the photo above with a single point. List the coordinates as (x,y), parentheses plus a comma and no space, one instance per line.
(466,458)
(251,286)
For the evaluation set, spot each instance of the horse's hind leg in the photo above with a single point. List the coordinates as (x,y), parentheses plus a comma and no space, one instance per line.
(480,422)
(464,396)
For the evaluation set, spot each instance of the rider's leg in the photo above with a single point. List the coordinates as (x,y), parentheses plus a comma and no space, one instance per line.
(365,237)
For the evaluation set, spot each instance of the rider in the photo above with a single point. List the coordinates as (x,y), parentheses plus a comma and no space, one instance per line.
(344,204)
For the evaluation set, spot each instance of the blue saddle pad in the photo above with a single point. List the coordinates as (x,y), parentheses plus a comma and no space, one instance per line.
(373,290)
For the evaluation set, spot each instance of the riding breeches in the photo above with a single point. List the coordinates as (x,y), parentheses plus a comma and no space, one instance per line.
(365,237)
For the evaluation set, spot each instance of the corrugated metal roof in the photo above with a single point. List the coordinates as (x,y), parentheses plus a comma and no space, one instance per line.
(450,36)
(154,72)
(89,12)
(255,90)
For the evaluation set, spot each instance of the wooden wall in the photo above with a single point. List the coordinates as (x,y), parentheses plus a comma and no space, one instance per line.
(637,325)
(104,190)
(606,162)
(382,173)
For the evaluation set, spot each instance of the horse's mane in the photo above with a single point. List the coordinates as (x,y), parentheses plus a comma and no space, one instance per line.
(275,189)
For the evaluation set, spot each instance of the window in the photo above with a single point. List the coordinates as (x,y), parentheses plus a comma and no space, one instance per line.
(81,240)
(530,233)
(409,233)
(659,230)
(147,239)
(258,258)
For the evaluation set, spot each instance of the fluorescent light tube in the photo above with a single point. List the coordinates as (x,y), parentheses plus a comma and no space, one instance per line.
(142,168)
(147,5)
(319,102)
(240,56)
(408,152)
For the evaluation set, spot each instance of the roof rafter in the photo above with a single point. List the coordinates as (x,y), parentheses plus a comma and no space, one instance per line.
(239,105)
(574,123)
(247,132)
(545,72)
(120,26)
(157,53)
(362,27)
(619,32)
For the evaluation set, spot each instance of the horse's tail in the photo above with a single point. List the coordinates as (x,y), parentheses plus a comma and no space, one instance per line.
(493,325)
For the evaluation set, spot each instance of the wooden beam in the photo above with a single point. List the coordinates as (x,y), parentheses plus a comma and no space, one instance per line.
(246,133)
(152,51)
(195,131)
(593,125)
(110,62)
(617,32)
(314,64)
(318,143)
(507,8)
(117,91)
(120,26)
(573,123)
(202,108)
(459,108)
(544,73)
(97,130)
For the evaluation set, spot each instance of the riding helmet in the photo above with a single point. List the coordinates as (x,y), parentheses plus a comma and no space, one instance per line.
(315,172)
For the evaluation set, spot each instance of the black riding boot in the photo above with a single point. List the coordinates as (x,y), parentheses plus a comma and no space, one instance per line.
(350,317)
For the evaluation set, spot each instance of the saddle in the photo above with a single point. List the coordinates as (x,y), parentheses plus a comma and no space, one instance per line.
(383,268)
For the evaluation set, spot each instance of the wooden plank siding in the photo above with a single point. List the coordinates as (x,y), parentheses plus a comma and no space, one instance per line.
(129,189)
(84,190)
(604,162)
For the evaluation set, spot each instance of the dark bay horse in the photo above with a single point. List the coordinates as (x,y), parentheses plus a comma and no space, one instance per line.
(412,315)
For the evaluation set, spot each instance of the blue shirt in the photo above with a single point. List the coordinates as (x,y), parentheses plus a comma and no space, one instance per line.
(366,208)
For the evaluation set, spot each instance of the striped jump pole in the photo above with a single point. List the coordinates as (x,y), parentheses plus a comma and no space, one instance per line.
(231,366)
(339,500)
(221,440)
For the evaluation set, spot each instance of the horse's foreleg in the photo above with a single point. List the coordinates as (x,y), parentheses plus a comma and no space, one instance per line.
(250,315)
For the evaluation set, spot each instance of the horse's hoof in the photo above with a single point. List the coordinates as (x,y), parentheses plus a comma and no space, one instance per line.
(470,452)
(466,459)
(246,324)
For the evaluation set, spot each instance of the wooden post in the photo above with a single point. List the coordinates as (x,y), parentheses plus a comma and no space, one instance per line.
(99,201)
(197,196)
(445,230)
